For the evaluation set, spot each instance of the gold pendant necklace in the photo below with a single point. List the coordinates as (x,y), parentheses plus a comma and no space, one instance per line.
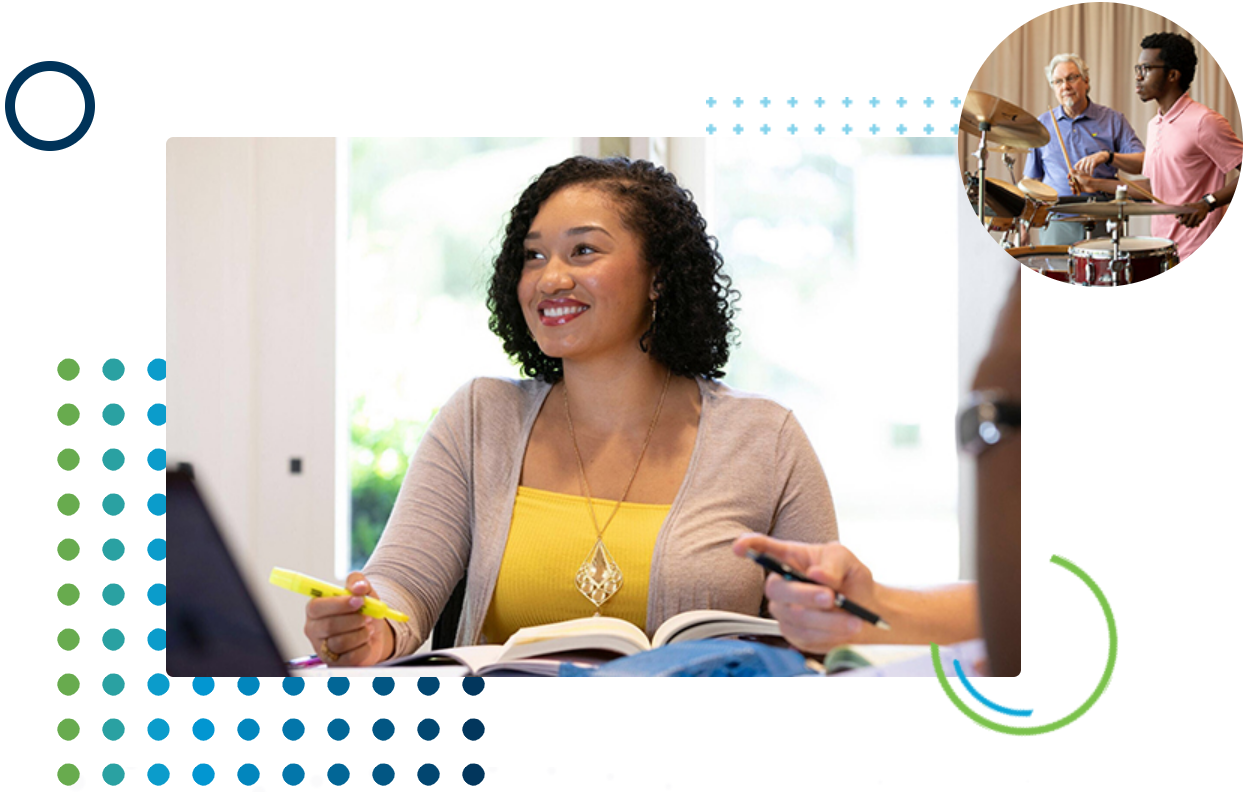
(599,577)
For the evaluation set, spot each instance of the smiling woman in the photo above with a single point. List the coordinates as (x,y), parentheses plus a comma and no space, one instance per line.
(623,493)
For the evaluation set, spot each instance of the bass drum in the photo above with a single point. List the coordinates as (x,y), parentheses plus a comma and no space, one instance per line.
(1051,261)
(1091,261)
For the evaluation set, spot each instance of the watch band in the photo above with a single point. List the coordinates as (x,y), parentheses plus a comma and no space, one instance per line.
(984,419)
(1211,200)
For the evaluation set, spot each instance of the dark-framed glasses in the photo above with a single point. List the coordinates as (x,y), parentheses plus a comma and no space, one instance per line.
(1142,69)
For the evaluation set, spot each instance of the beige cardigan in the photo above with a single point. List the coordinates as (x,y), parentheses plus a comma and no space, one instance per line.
(752,469)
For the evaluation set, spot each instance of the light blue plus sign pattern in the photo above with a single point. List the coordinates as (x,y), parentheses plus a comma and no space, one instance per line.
(907,116)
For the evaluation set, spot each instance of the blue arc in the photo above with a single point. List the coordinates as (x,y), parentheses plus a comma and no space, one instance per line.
(986,701)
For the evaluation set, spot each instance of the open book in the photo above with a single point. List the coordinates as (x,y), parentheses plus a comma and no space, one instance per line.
(541,650)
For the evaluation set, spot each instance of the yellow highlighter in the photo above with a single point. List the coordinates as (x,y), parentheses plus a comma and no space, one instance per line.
(312,587)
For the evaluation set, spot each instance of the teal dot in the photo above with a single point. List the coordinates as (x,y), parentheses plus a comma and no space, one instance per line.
(113,369)
(156,459)
(114,459)
(114,684)
(113,774)
(67,369)
(156,504)
(114,594)
(156,594)
(113,549)
(68,549)
(67,459)
(113,414)
(113,729)
(67,414)
(156,549)
(113,639)
(156,414)
(156,369)
(113,504)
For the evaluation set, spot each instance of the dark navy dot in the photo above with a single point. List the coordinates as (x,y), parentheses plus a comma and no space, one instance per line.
(293,729)
(473,685)
(156,639)
(249,685)
(156,594)
(473,729)
(337,685)
(384,685)
(337,729)
(202,685)
(428,685)
(384,775)
(202,729)
(158,729)
(383,729)
(156,414)
(156,459)
(248,729)
(473,774)
(337,775)
(202,774)
(156,370)
(428,774)
(158,774)
(293,685)
(428,729)
(158,684)
(248,774)
(293,774)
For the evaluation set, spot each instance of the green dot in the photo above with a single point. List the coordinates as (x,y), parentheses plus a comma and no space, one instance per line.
(67,684)
(113,414)
(113,594)
(113,369)
(113,549)
(67,504)
(68,549)
(67,414)
(113,774)
(67,639)
(68,369)
(68,459)
(113,729)
(113,639)
(114,684)
(68,729)
(68,594)
(67,774)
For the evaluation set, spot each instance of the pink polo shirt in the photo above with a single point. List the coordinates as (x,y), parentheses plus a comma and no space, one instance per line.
(1190,150)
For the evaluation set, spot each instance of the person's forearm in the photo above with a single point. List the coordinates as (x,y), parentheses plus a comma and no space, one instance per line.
(942,615)
(1131,163)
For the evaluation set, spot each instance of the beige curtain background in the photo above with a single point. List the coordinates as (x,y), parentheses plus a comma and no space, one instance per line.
(1107,36)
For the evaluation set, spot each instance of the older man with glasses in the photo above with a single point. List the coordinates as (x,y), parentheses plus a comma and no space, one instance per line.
(1091,133)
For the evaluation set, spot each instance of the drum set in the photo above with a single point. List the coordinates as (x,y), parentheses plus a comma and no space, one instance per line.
(1013,209)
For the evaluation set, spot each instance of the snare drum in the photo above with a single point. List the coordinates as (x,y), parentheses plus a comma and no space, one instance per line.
(1051,261)
(1091,260)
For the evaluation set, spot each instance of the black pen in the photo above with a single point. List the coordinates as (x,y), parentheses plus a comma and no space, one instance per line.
(779,568)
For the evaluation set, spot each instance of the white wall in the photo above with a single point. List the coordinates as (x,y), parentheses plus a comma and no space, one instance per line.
(250,249)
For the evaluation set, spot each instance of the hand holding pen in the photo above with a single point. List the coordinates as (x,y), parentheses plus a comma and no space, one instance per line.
(807,611)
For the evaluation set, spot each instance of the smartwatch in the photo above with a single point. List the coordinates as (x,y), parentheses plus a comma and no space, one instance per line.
(984,420)
(1211,200)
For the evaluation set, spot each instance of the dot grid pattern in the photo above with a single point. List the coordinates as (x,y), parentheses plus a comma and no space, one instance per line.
(247,731)
(840,115)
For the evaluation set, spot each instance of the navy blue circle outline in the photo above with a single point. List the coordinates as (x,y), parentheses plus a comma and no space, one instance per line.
(89,105)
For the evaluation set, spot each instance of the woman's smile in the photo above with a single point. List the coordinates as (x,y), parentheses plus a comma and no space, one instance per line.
(559,312)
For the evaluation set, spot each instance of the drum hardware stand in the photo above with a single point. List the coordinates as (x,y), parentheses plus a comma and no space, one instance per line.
(1009,162)
(983,126)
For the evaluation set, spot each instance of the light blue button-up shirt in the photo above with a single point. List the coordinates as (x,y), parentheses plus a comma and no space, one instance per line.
(1097,128)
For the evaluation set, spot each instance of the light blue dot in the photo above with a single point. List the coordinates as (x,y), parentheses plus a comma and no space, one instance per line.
(337,729)
(158,684)
(248,774)
(156,594)
(156,639)
(156,414)
(428,729)
(293,729)
(156,459)
(113,504)
(113,369)
(293,774)
(473,729)
(113,639)
(202,685)
(428,686)
(428,774)
(473,774)
(113,684)
(337,685)
(156,504)
(114,594)
(338,775)
(202,729)
(384,685)
(248,729)
(113,549)
(113,459)
(249,685)
(202,774)
(156,369)
(156,549)
(113,729)
(113,774)
(383,729)
(384,774)
(158,729)
(113,414)
(473,685)
(293,685)
(158,774)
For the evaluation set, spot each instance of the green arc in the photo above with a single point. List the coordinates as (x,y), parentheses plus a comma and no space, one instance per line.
(1082,708)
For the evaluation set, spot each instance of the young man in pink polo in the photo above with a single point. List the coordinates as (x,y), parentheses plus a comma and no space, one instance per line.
(1191,150)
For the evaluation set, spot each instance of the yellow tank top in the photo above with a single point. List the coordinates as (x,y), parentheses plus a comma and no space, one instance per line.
(550,536)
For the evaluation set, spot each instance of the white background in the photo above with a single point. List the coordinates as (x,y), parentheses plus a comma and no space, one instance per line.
(1134,465)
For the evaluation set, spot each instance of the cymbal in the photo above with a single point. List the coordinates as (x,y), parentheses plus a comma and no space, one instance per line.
(1118,208)
(1009,124)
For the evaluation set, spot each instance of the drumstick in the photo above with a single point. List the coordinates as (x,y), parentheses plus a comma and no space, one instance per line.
(1060,139)
(1143,190)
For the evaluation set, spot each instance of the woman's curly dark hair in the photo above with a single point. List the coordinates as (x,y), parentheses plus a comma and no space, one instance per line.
(695,308)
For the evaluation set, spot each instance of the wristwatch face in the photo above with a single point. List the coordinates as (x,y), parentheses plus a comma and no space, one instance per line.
(1211,200)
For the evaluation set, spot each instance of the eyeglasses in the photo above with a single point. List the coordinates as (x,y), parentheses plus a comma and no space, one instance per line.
(1142,69)
(1070,80)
